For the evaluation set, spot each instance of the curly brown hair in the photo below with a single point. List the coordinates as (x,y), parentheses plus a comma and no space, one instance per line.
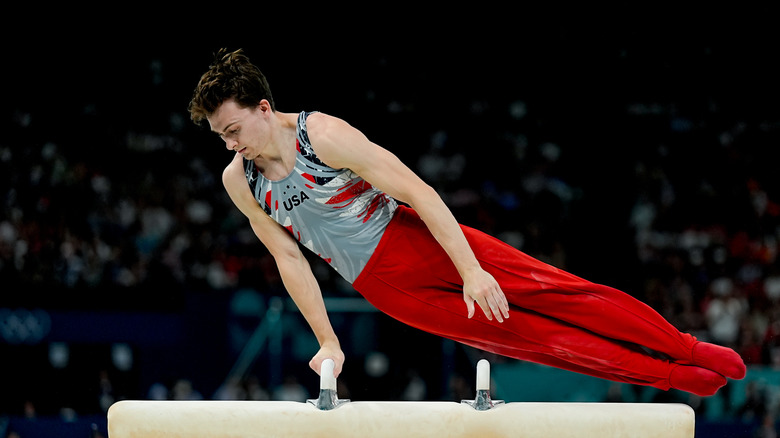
(230,76)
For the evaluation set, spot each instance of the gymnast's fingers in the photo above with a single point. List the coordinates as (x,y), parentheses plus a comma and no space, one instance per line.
(338,365)
(503,303)
(487,307)
(469,305)
(495,307)
(315,364)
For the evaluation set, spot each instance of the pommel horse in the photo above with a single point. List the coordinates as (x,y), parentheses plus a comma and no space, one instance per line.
(328,416)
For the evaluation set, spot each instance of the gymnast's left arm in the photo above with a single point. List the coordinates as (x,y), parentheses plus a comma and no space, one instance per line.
(340,145)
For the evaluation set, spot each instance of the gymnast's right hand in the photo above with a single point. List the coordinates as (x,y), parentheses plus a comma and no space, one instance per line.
(328,351)
(480,287)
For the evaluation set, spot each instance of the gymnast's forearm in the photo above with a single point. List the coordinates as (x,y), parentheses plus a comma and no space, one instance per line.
(445,229)
(303,288)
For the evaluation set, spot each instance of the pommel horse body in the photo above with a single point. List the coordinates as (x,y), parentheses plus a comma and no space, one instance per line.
(329,416)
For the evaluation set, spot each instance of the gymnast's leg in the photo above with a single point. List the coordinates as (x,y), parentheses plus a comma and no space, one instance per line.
(420,277)
(697,380)
(530,336)
(534,285)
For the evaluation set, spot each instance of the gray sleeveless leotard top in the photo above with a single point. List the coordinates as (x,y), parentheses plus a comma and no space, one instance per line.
(332,212)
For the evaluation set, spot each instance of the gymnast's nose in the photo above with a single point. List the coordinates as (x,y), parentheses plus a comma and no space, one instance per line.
(231,144)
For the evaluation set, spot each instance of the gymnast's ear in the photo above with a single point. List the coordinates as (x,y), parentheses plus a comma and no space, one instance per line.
(265,106)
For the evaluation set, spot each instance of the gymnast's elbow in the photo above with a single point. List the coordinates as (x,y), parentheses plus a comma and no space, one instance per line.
(288,254)
(424,196)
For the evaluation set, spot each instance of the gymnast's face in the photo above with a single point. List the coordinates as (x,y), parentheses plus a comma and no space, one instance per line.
(245,130)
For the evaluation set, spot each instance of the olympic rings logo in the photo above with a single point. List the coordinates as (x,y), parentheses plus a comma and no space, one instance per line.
(22,326)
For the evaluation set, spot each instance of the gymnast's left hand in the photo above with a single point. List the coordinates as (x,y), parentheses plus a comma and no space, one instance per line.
(481,287)
(328,351)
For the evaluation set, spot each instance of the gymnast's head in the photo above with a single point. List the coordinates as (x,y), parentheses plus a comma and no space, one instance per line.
(230,76)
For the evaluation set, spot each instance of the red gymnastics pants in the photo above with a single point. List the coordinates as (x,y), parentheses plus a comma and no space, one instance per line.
(556,318)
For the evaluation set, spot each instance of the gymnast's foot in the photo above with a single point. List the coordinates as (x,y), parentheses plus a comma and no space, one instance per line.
(721,360)
(696,380)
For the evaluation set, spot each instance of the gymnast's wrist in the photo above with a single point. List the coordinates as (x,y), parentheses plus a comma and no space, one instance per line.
(470,272)
(331,342)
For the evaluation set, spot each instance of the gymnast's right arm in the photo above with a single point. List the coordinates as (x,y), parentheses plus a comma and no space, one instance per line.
(294,268)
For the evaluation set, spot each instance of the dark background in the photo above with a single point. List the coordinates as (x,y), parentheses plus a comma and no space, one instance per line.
(674,108)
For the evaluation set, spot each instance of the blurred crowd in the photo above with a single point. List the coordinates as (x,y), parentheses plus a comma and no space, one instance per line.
(673,199)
